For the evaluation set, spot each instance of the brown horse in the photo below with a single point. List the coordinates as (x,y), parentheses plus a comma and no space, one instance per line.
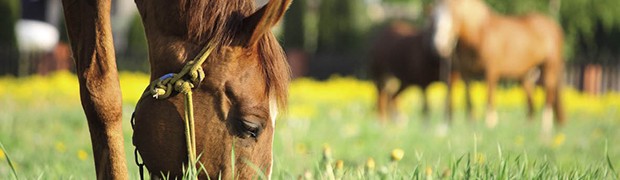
(498,46)
(237,102)
(402,57)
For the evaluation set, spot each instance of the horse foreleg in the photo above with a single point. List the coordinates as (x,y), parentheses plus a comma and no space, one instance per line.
(491,115)
(88,27)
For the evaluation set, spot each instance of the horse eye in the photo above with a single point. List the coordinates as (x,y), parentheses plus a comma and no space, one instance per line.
(252,129)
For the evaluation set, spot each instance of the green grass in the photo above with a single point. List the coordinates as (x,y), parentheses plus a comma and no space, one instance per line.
(583,148)
(49,139)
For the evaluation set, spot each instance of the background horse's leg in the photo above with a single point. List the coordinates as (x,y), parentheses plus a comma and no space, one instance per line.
(88,26)
(528,82)
(393,110)
(469,108)
(553,105)
(491,115)
(425,109)
(449,104)
(382,101)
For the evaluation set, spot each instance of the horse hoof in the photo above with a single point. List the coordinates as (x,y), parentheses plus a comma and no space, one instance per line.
(443,129)
(491,119)
(547,120)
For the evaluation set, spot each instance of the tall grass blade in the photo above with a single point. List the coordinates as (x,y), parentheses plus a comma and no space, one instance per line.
(8,160)
(609,164)
(232,159)
(260,173)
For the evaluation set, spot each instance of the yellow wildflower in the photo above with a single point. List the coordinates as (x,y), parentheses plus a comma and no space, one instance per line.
(327,152)
(429,172)
(301,148)
(82,155)
(339,165)
(60,147)
(397,154)
(480,158)
(2,156)
(558,140)
(519,140)
(370,164)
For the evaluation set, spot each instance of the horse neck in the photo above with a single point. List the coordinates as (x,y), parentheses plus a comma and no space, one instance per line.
(472,26)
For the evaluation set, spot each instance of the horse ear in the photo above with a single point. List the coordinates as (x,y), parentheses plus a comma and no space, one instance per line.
(264,19)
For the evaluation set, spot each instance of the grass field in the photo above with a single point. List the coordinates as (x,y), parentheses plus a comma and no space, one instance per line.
(44,133)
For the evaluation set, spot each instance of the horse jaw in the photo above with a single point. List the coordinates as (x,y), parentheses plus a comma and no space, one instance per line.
(444,36)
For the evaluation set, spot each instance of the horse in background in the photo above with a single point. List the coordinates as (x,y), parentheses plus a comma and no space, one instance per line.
(246,79)
(402,57)
(496,47)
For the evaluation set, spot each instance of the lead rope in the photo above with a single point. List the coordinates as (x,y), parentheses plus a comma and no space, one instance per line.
(135,151)
(183,82)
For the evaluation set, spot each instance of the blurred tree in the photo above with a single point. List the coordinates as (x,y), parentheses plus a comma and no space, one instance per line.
(9,13)
(519,7)
(294,29)
(136,56)
(342,28)
(342,25)
(592,28)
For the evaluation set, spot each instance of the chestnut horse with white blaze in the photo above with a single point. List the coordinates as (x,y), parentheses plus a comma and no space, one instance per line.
(245,82)
(502,47)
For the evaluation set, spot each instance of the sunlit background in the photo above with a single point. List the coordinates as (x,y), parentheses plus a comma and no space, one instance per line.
(331,129)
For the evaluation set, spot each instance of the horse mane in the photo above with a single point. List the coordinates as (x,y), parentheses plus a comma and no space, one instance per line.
(217,21)
(220,21)
(275,67)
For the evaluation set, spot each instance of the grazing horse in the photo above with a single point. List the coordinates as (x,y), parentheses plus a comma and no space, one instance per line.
(497,46)
(245,82)
(402,57)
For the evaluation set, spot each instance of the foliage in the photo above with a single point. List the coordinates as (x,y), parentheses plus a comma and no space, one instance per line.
(589,25)
(44,130)
(9,13)
(294,29)
(135,57)
(342,25)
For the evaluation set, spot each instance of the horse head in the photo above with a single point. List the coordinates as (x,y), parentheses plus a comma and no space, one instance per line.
(235,106)
(454,20)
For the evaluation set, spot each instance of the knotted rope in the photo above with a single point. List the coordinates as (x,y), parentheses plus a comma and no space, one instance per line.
(183,82)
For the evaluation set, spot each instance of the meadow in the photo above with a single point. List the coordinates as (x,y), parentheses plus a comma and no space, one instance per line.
(330,131)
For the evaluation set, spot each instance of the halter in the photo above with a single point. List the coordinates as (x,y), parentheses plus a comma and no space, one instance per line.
(183,82)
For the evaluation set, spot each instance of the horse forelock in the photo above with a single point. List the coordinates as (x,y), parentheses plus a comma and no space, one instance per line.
(275,68)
